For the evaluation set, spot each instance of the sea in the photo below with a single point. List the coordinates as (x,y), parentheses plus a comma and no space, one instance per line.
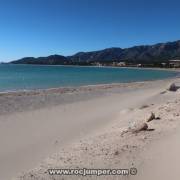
(31,77)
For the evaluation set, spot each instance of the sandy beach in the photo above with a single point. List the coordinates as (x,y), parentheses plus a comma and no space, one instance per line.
(91,127)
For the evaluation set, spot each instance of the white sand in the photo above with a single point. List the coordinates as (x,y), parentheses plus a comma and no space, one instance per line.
(88,132)
(161,159)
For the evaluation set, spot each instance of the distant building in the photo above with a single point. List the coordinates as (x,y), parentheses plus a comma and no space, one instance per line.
(174,63)
(97,64)
(164,64)
(121,64)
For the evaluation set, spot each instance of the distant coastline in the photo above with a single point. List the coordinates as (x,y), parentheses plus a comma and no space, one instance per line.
(158,55)
(174,69)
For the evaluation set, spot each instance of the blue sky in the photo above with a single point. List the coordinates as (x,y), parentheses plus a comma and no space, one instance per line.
(44,27)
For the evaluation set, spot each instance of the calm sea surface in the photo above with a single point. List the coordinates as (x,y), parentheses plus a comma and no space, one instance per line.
(20,77)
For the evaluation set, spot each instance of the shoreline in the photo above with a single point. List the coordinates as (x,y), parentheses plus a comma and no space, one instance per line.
(85,127)
(177,70)
(39,99)
(69,88)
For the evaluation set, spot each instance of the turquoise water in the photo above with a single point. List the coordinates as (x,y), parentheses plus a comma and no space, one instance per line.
(18,77)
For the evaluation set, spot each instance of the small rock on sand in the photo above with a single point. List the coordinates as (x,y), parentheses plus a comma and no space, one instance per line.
(116,153)
(152,116)
(172,87)
(142,127)
(144,106)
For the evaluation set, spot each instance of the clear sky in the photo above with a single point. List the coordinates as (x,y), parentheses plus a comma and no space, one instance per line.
(44,27)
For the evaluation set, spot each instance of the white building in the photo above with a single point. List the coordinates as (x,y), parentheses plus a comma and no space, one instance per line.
(174,63)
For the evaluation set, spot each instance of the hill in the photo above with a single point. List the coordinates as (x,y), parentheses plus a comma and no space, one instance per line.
(49,60)
(146,54)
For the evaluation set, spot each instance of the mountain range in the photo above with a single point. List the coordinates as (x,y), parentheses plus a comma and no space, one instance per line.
(157,53)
